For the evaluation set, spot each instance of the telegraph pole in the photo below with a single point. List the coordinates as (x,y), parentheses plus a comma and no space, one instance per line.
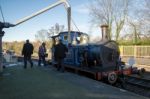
(1,54)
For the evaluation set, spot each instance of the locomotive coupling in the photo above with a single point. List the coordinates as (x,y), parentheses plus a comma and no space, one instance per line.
(138,71)
(141,71)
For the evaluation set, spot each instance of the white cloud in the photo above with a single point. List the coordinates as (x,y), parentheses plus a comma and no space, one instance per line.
(83,8)
(93,33)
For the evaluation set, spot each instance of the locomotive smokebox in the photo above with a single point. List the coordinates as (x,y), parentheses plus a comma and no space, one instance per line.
(105,33)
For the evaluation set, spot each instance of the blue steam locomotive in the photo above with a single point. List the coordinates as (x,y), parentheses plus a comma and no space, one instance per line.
(102,58)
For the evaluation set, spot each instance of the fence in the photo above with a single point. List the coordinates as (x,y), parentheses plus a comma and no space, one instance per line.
(136,51)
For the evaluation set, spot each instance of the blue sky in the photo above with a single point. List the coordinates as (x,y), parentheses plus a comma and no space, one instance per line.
(17,9)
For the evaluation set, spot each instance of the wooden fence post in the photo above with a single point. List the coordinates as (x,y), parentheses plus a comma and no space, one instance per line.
(121,50)
(135,51)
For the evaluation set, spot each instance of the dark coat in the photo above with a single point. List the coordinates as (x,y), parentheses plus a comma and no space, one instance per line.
(27,49)
(42,50)
(60,51)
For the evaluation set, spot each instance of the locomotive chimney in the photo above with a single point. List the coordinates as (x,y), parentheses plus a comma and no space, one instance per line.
(105,36)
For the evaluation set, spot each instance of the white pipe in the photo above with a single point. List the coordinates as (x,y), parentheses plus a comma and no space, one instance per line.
(69,24)
(42,11)
(66,4)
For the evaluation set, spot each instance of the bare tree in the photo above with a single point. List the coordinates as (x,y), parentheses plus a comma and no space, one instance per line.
(41,35)
(145,17)
(110,12)
(139,20)
(120,16)
(55,30)
(135,29)
(44,35)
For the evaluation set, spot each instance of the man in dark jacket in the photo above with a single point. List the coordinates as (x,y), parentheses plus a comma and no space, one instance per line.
(27,51)
(60,54)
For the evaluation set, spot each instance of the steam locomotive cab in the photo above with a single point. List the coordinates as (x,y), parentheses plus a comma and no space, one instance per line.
(77,39)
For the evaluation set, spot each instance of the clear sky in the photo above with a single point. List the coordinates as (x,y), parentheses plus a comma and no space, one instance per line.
(14,10)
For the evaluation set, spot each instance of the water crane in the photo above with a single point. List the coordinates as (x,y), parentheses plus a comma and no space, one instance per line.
(8,25)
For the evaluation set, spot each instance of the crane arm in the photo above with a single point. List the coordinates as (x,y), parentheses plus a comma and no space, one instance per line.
(66,4)
(44,10)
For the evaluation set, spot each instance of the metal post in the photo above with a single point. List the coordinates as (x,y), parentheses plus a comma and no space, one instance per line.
(69,24)
(2,26)
(1,54)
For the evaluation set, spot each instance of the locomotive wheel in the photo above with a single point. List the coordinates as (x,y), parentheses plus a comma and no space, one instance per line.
(112,78)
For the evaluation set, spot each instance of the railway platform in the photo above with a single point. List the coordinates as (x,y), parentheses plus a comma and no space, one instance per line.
(48,83)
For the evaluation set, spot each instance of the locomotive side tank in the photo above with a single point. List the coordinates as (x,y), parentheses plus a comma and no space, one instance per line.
(104,55)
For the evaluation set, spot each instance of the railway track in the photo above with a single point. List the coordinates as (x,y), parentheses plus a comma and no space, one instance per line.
(138,85)
(138,81)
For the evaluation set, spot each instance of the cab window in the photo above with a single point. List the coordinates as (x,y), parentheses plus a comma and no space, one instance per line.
(65,37)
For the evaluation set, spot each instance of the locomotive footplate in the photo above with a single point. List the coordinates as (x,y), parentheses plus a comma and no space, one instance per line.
(89,72)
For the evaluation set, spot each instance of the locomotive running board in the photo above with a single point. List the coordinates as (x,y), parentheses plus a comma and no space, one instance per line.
(85,71)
